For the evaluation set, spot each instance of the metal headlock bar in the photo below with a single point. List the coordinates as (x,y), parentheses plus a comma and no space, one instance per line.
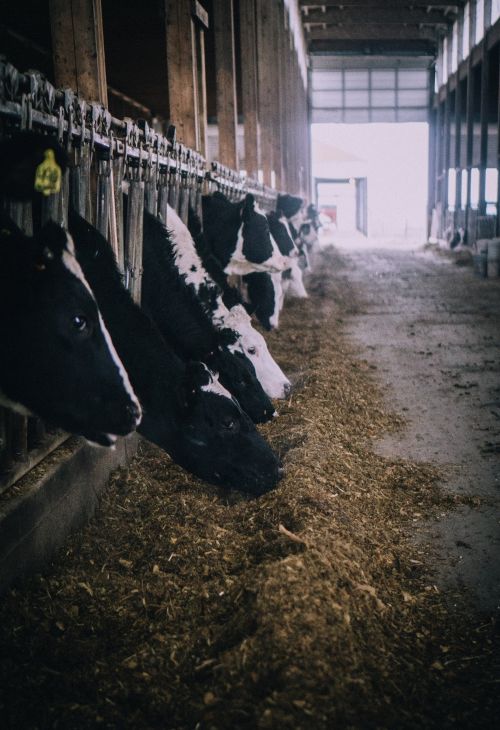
(105,154)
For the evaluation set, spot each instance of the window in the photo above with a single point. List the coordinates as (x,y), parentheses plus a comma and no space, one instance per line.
(495,11)
(474,187)
(444,67)
(479,30)
(454,47)
(466,32)
(464,189)
(452,189)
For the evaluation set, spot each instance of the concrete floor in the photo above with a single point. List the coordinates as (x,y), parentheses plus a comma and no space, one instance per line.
(432,329)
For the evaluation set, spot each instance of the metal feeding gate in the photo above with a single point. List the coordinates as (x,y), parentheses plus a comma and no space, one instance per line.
(105,156)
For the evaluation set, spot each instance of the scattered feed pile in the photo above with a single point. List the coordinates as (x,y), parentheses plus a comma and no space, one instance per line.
(181,606)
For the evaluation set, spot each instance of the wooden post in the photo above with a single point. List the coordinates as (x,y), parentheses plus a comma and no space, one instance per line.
(483,159)
(250,103)
(458,145)
(225,76)
(469,133)
(183,67)
(264,61)
(78,47)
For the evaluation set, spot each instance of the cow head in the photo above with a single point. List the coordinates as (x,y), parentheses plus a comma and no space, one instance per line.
(58,361)
(239,235)
(237,375)
(265,295)
(253,345)
(217,441)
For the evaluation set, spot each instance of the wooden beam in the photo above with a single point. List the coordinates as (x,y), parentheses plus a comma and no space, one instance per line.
(306,4)
(483,143)
(248,43)
(265,59)
(78,47)
(379,16)
(375,47)
(225,76)
(182,72)
(370,31)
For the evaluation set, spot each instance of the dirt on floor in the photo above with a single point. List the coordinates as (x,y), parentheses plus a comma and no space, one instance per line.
(184,606)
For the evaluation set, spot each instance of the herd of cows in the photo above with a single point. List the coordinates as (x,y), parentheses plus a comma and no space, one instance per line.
(187,369)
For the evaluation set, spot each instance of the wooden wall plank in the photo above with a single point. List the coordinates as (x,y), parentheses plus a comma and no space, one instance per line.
(225,74)
(78,47)
(248,44)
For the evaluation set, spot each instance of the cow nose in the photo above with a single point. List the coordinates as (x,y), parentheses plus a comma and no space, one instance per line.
(287,388)
(281,472)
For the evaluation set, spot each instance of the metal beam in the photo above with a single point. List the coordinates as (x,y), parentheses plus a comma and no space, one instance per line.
(361,32)
(379,16)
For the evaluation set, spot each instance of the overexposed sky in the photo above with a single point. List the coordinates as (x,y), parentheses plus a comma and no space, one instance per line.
(394,159)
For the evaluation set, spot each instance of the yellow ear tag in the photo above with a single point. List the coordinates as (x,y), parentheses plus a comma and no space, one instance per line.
(48,175)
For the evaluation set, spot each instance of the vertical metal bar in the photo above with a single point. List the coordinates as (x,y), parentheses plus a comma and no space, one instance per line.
(163,196)
(133,235)
(103,195)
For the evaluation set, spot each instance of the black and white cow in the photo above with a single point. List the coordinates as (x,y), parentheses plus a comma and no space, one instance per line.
(174,303)
(204,272)
(239,236)
(186,411)
(58,361)
(291,281)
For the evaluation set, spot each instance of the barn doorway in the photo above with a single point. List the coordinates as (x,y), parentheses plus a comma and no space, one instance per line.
(344,202)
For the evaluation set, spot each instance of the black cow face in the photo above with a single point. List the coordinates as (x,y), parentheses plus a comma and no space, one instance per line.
(237,375)
(289,205)
(257,244)
(58,360)
(262,297)
(280,234)
(217,440)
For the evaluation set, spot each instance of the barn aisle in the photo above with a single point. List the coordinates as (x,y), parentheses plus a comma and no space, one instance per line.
(182,606)
(431,329)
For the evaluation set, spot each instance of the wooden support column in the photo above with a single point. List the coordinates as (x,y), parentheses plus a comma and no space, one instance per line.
(185,88)
(458,145)
(225,74)
(250,103)
(483,148)
(446,146)
(78,47)
(497,231)
(469,133)
(265,60)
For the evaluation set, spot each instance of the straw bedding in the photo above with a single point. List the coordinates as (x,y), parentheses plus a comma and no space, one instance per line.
(184,606)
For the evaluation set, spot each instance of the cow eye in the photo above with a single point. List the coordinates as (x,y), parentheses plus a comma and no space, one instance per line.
(252,350)
(229,423)
(79,322)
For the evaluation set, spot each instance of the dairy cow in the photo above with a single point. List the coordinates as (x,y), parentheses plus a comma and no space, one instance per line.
(239,236)
(58,361)
(227,305)
(186,411)
(176,297)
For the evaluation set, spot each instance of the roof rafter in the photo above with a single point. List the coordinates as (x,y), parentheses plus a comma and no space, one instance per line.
(379,16)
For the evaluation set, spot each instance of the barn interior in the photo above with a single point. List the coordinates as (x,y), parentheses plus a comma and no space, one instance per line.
(364,590)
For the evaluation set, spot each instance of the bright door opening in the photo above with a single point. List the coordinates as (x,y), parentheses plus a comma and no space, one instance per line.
(373,178)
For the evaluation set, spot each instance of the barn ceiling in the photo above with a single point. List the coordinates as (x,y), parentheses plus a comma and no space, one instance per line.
(377,26)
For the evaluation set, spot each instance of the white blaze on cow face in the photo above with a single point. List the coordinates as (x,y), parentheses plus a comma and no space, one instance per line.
(253,345)
(294,285)
(214,386)
(186,257)
(70,262)
(278,300)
